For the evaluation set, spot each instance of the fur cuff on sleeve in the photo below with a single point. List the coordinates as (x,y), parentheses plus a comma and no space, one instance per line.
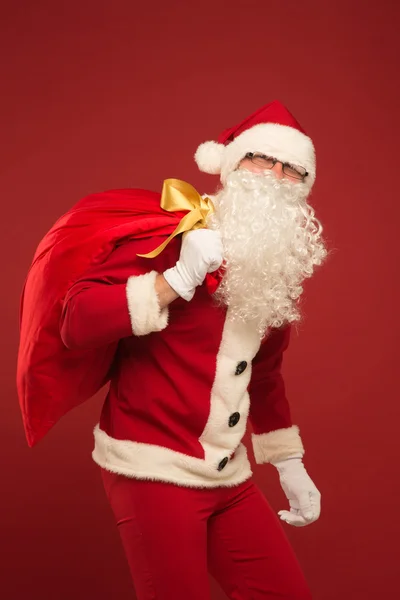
(144,310)
(277,445)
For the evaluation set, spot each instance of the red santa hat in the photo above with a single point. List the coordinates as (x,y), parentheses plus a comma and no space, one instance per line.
(272,130)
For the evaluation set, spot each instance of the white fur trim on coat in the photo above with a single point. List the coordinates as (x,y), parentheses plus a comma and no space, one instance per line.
(240,342)
(144,309)
(156,463)
(277,445)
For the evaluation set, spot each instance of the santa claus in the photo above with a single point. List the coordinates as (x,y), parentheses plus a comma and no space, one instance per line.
(191,369)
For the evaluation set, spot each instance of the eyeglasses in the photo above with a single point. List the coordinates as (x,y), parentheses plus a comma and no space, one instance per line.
(268,162)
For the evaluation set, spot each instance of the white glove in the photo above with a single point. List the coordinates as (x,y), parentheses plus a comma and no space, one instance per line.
(201,253)
(304,498)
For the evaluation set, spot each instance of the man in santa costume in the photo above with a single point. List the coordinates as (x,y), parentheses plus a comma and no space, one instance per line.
(191,368)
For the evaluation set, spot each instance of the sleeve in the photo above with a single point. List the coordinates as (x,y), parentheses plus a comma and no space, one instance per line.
(115,299)
(275,437)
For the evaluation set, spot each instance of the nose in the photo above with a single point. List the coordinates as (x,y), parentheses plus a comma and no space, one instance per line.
(278,170)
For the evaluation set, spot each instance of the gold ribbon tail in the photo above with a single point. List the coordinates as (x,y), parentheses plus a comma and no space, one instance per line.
(179,196)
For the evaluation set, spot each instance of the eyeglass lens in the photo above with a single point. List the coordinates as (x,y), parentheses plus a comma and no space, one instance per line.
(267,162)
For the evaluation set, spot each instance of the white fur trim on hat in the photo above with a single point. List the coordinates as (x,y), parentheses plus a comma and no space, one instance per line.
(280,141)
(208,157)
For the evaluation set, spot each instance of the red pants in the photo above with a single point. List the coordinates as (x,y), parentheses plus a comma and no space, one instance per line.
(173,536)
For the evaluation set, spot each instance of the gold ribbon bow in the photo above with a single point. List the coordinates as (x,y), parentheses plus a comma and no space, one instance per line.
(178,195)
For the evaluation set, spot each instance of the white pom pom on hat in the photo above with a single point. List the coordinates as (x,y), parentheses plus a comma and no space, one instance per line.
(209,157)
(271,130)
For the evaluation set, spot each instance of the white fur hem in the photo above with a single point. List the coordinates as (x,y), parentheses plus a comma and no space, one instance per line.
(143,306)
(155,463)
(277,445)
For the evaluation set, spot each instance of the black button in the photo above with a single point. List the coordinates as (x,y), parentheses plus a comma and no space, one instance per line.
(223,463)
(241,367)
(234,419)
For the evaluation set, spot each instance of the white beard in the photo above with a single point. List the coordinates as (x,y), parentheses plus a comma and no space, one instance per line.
(272,242)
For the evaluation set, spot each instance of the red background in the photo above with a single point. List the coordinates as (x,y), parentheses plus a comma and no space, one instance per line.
(97,95)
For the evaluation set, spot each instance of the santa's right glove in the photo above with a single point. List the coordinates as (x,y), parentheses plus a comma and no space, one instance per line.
(201,253)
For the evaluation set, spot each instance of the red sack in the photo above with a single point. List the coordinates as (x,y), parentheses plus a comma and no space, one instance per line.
(51,379)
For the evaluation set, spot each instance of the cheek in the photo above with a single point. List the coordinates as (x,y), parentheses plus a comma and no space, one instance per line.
(247,164)
(255,169)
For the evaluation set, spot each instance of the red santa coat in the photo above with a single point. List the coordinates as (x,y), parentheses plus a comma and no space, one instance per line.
(185,379)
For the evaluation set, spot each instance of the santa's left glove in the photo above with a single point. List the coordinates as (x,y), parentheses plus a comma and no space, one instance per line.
(304,498)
